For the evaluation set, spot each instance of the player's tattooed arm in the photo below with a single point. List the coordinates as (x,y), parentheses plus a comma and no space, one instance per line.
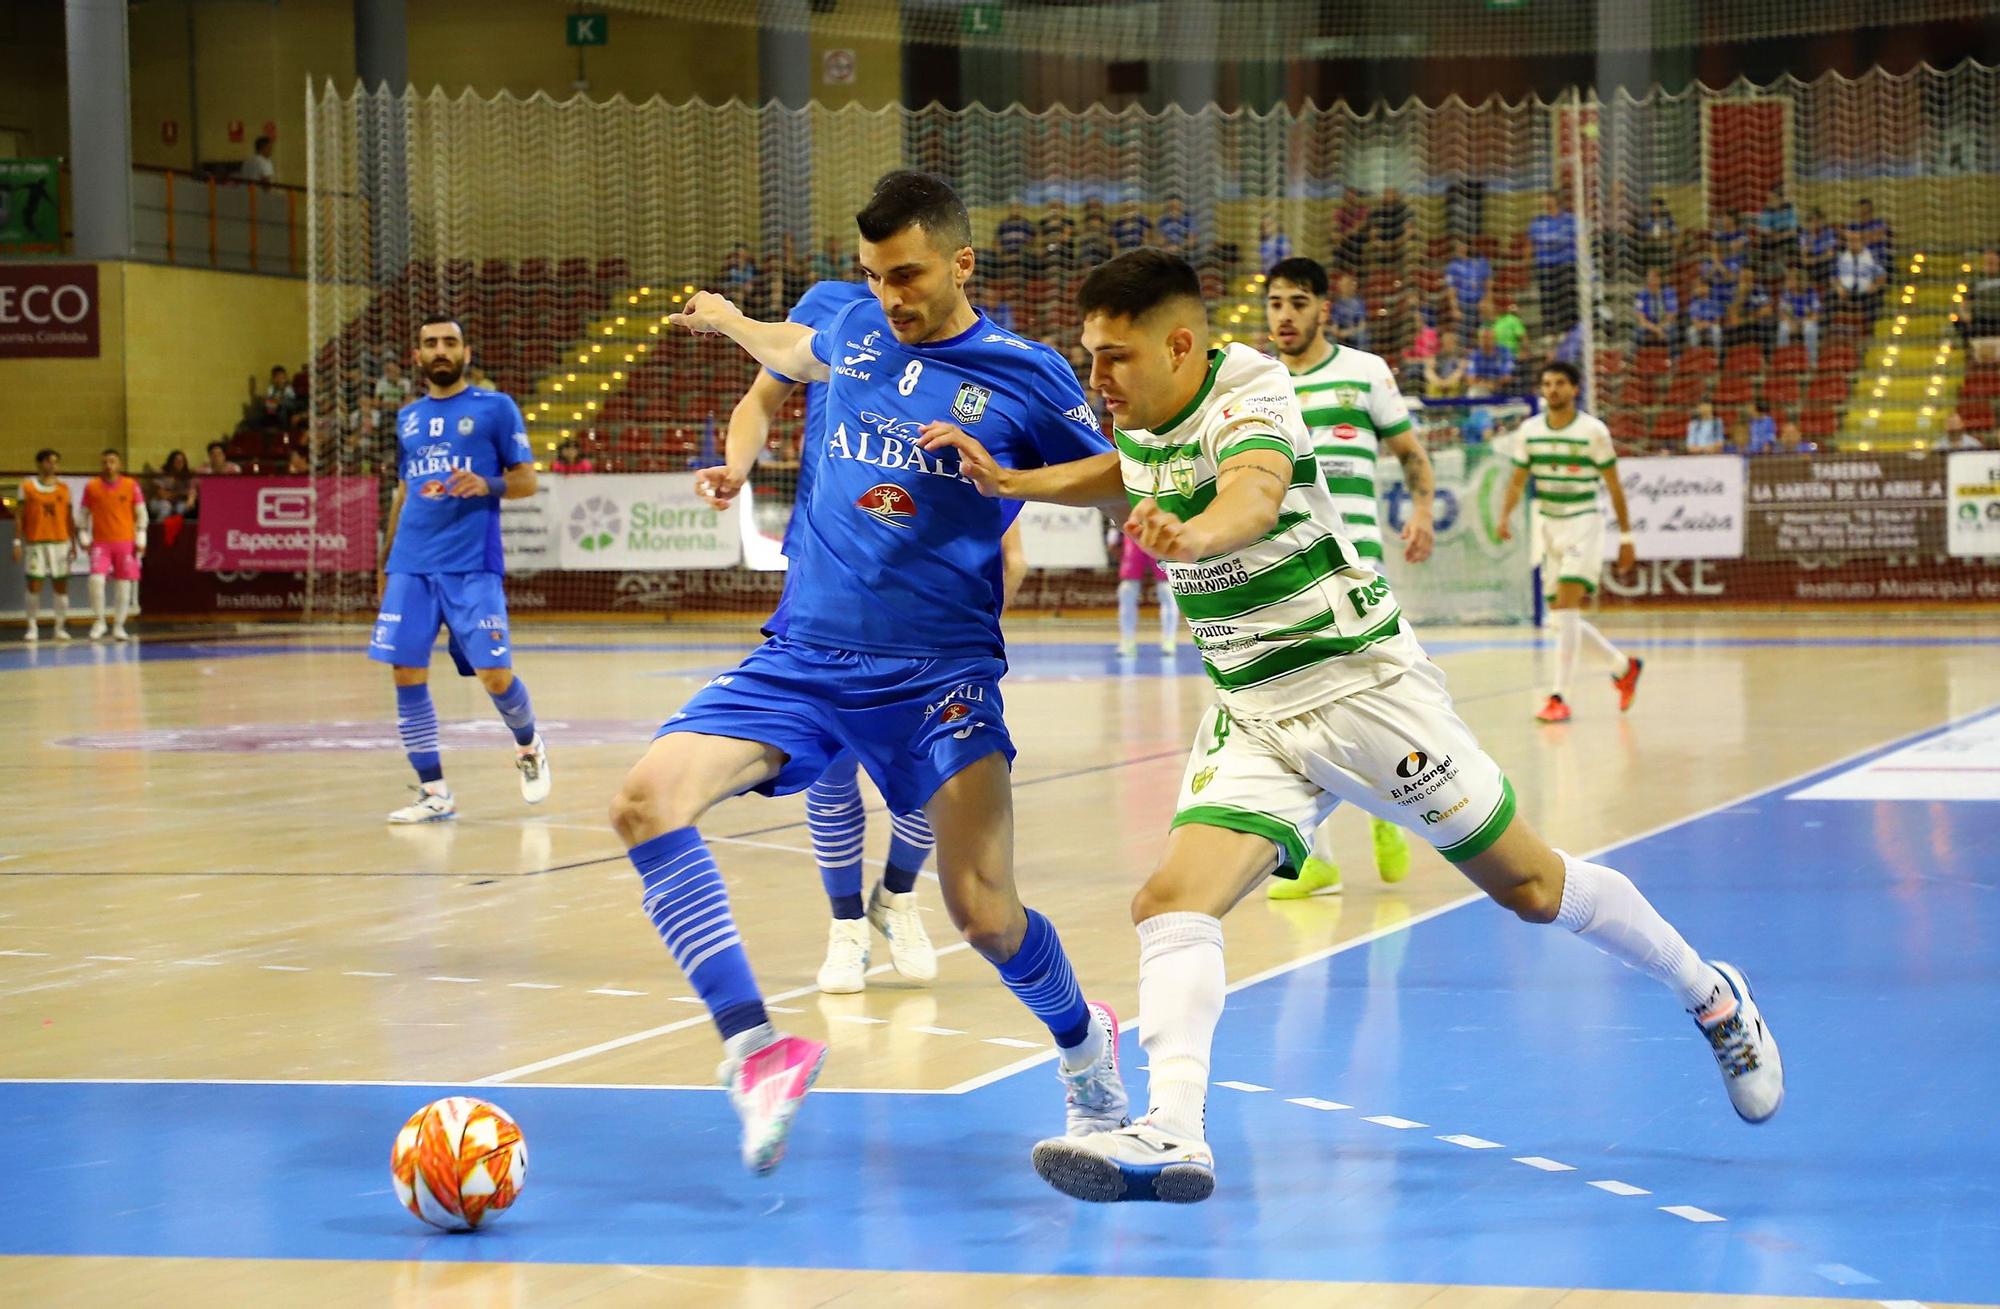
(1091,483)
(1418,479)
(1249,488)
(784,348)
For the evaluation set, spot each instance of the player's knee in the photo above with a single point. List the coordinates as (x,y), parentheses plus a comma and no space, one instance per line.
(1152,900)
(1532,899)
(643,808)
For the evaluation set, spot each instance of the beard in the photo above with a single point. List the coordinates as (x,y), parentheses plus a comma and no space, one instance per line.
(443,372)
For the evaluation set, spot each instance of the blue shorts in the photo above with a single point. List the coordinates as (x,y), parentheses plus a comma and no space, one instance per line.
(472,607)
(912,723)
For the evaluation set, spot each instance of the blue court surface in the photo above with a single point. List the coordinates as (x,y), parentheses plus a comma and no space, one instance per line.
(1463,1099)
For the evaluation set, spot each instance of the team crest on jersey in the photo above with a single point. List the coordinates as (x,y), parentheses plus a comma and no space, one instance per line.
(886,502)
(1182,476)
(432,490)
(1347,397)
(465,425)
(970,404)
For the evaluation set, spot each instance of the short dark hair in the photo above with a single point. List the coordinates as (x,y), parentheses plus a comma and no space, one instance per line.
(1300,271)
(262,141)
(216,445)
(1564,368)
(111,450)
(46,452)
(905,198)
(1136,283)
(440,316)
(279,368)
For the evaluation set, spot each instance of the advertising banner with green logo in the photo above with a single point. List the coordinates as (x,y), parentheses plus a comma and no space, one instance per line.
(638,522)
(1972,527)
(1472,575)
(30,206)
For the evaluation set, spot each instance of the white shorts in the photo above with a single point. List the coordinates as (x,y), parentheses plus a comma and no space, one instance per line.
(46,559)
(1569,550)
(1398,751)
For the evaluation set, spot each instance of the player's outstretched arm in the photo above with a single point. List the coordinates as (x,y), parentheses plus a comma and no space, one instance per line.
(784,348)
(749,428)
(1515,489)
(1249,489)
(1090,483)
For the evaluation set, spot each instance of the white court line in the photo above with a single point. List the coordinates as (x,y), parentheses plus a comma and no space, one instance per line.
(1620,1188)
(1390,1120)
(436,1084)
(634,1038)
(1471,1142)
(1546,1165)
(1695,1215)
(1325,1106)
(1243,1086)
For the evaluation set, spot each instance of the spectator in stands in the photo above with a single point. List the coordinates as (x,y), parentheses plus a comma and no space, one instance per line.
(1956,437)
(1705,317)
(392,391)
(1657,235)
(1717,271)
(1422,349)
(1763,431)
(1777,228)
(1750,319)
(1819,246)
(1798,314)
(1509,330)
(1704,430)
(219,463)
(1792,440)
(1131,228)
(794,271)
(1012,239)
(1874,232)
(171,490)
(258,167)
(1569,348)
(1490,371)
(1857,278)
(833,263)
(1347,317)
(1552,240)
(1348,235)
(1273,246)
(1445,371)
(1177,229)
(1732,238)
(302,388)
(297,462)
(1093,242)
(1656,313)
(1389,228)
(1468,276)
(1056,235)
(1981,314)
(739,270)
(278,391)
(569,458)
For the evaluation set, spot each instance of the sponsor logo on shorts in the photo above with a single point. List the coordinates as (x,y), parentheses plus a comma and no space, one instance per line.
(1432,817)
(1201,780)
(953,712)
(888,503)
(1413,763)
(957,703)
(1425,777)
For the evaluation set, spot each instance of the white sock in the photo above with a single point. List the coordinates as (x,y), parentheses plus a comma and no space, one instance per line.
(62,608)
(1128,610)
(1597,638)
(1076,1058)
(1568,638)
(1170,614)
(121,600)
(34,607)
(97,594)
(1602,906)
(749,1041)
(1181,983)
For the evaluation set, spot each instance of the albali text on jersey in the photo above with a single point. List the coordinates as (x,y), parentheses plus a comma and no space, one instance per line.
(1296,618)
(894,551)
(478,430)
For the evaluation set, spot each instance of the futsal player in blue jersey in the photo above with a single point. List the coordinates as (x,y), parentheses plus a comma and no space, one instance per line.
(460,451)
(891,649)
(835,819)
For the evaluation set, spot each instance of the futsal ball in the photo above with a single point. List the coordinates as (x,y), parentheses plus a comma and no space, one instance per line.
(458,1162)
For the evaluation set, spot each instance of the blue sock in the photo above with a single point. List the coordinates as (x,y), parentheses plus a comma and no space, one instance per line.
(910,843)
(835,822)
(684,897)
(516,712)
(1039,974)
(417,724)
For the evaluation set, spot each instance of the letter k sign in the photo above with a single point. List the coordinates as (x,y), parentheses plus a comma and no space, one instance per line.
(587,29)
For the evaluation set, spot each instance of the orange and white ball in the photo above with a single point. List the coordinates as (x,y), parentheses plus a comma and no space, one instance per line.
(459,1161)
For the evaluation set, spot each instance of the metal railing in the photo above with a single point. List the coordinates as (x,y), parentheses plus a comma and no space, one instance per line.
(210,222)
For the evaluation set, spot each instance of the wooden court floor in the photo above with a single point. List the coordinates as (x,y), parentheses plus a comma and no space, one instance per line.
(196,884)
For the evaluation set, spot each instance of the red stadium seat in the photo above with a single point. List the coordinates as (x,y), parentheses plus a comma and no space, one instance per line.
(1828,389)
(1977,415)
(1734,389)
(1783,389)
(1839,357)
(1981,384)
(1687,389)
(1790,359)
(1668,425)
(1638,392)
(1697,362)
(1818,422)
(1747,360)
(1653,360)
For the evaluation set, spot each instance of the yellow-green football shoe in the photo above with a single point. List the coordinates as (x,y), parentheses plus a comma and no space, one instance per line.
(1318,877)
(1392,850)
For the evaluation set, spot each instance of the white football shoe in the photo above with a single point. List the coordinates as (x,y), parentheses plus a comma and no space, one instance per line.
(845,971)
(1094,1096)
(897,917)
(98,629)
(533,761)
(1140,1162)
(1744,1048)
(432,805)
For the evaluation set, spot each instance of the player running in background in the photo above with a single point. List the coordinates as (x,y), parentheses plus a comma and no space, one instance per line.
(835,818)
(1323,695)
(118,520)
(1352,407)
(461,450)
(1567,451)
(1135,569)
(891,651)
(46,542)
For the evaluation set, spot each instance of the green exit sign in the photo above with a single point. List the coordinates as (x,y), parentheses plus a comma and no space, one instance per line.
(587,29)
(980,20)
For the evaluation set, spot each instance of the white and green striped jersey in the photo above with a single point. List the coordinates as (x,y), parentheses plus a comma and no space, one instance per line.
(1566,463)
(1297,618)
(1352,404)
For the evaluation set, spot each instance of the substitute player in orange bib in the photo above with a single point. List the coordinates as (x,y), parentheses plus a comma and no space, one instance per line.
(47,542)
